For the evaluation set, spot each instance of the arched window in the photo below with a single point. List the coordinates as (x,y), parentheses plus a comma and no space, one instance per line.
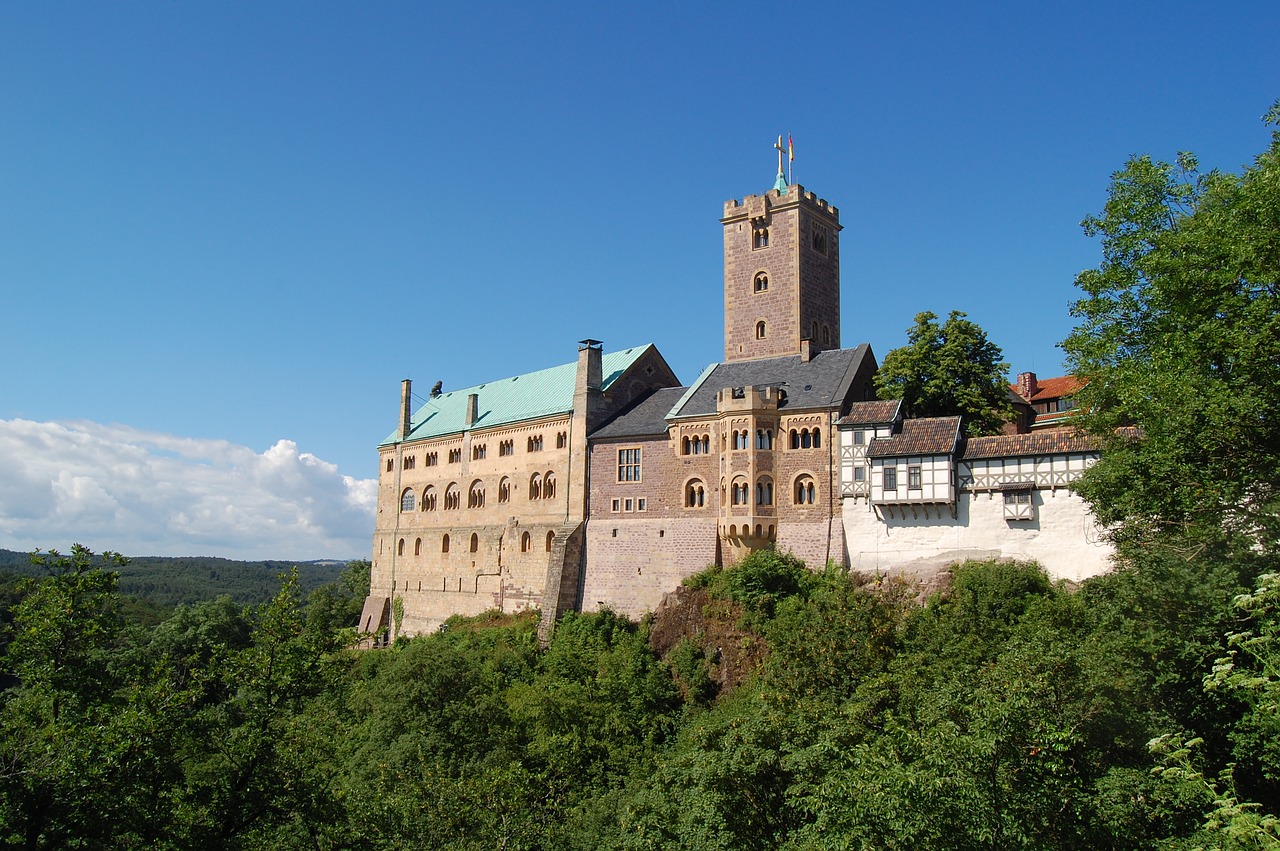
(760,237)
(400,547)
(817,439)
(684,446)
(805,493)
(417,547)
(549,485)
(762,282)
(429,498)
(406,500)
(764,492)
(695,494)
(475,542)
(706,444)
(826,335)
(475,496)
(760,330)
(795,439)
(504,489)
(452,497)
(535,486)
(526,541)
(806,439)
(444,544)
(741,493)
(551,537)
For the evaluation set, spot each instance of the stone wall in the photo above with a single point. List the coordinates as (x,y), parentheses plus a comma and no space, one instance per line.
(1063,538)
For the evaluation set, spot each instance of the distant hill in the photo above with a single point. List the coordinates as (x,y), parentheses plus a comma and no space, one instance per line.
(168,582)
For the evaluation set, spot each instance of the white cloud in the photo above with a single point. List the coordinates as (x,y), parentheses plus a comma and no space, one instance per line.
(145,493)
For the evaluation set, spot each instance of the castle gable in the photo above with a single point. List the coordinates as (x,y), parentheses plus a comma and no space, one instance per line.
(647,419)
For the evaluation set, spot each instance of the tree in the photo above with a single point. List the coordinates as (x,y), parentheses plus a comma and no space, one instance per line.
(1179,328)
(948,370)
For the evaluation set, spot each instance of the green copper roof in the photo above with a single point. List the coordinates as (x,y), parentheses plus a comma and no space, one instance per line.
(512,400)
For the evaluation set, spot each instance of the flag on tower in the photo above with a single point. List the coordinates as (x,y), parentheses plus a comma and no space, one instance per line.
(791,149)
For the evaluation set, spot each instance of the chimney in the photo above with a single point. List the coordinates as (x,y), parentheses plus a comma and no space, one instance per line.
(806,350)
(1027,385)
(590,369)
(406,410)
(473,406)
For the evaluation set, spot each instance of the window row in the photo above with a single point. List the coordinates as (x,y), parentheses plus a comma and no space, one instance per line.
(701,444)
(479,451)
(739,492)
(890,478)
(541,486)
(696,445)
(526,543)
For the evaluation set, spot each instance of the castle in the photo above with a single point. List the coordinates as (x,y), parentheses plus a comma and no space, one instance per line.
(605,482)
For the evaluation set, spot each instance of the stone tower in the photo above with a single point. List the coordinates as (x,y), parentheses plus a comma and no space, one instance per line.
(781,274)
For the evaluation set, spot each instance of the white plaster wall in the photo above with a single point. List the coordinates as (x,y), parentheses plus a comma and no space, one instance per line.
(1063,539)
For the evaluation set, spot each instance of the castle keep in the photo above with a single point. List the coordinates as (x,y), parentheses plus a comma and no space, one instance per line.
(605,482)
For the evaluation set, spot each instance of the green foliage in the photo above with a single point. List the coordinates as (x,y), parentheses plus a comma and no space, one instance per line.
(948,370)
(1007,712)
(1178,332)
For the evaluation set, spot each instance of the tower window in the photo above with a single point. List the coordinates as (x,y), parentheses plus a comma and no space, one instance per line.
(762,282)
(760,330)
(819,239)
(760,237)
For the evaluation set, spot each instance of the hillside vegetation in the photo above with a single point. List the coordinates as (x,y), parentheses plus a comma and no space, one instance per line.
(769,707)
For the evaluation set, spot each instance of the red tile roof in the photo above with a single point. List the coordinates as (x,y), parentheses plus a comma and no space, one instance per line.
(926,436)
(1036,443)
(1052,388)
(872,413)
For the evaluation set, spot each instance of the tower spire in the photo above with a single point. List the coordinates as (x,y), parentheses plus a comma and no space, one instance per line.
(781,183)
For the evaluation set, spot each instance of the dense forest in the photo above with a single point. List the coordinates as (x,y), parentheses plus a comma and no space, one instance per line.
(167,582)
(770,704)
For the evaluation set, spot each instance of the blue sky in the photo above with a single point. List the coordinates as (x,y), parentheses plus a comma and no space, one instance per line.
(228,230)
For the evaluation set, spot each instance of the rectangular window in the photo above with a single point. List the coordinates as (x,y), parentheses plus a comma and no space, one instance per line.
(913,477)
(859,437)
(617,504)
(628,465)
(891,478)
(859,474)
(640,504)
(626,505)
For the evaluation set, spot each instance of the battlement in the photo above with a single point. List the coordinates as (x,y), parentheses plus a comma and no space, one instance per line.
(756,206)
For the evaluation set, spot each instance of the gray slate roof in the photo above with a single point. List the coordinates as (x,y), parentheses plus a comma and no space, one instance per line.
(823,382)
(647,419)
